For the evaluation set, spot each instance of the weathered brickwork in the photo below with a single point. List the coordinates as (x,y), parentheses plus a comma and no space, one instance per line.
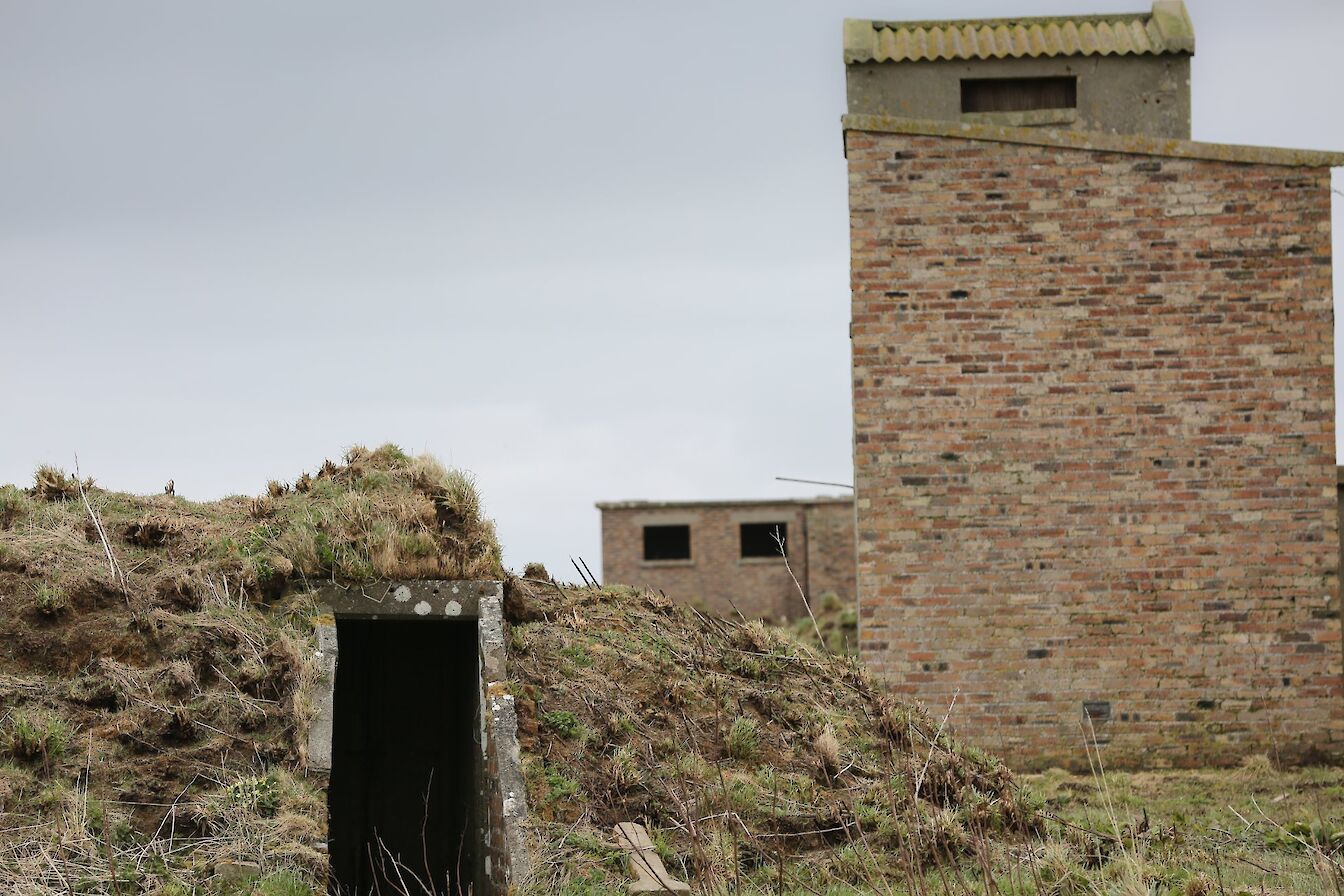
(830,549)
(820,545)
(1094,447)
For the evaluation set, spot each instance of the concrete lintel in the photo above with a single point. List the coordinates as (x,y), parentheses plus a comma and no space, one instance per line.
(413,599)
(1132,144)
(728,504)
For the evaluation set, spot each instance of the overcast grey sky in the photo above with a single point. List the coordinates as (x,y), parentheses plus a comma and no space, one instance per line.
(586,250)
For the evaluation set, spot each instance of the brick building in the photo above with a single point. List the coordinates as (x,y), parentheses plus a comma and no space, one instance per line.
(1093,399)
(724,553)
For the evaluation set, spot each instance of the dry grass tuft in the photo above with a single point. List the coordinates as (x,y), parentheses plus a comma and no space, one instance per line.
(827,748)
(1256,768)
(54,484)
(537,572)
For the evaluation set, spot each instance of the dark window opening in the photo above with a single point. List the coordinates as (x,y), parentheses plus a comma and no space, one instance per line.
(759,539)
(667,542)
(1018,94)
(404,761)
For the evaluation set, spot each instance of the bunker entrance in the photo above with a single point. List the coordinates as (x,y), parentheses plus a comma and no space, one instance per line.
(405,786)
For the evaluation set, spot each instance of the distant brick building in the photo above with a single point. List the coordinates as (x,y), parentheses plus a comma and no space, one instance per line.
(1093,404)
(723,554)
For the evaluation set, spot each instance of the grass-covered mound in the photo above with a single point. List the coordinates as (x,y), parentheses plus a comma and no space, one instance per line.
(763,765)
(758,764)
(155,664)
(155,658)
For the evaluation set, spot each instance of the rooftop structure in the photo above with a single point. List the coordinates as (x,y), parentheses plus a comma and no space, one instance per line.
(1126,73)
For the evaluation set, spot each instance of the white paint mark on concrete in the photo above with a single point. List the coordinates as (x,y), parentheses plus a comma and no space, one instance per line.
(510,806)
(422,608)
(402,594)
(454,589)
(453,608)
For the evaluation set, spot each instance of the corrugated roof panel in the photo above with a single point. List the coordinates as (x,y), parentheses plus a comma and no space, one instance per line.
(1154,33)
(950,41)
(1087,38)
(936,49)
(1036,42)
(1054,43)
(919,44)
(1106,38)
(969,41)
(984,42)
(892,44)
(1068,34)
(1131,34)
(963,42)
(1138,35)
(1124,44)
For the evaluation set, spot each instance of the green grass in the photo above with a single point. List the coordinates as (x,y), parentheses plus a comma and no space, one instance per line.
(1249,827)
(30,736)
(14,504)
(50,600)
(560,786)
(283,883)
(744,740)
(577,655)
(565,723)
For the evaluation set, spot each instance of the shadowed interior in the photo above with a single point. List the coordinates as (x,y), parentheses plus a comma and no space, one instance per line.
(403,778)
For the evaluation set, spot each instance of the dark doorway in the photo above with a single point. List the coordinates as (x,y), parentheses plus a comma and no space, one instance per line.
(402,799)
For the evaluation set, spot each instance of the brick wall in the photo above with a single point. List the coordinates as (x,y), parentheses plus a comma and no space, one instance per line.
(717,576)
(1094,447)
(830,549)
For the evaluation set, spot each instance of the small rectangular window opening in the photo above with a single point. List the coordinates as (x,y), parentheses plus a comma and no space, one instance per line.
(758,539)
(1018,94)
(667,542)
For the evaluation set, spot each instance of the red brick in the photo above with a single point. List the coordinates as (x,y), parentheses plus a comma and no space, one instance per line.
(1094,418)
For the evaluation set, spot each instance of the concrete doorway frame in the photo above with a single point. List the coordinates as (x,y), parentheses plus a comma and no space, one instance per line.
(502,798)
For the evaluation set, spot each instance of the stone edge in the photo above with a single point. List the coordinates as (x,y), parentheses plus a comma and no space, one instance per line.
(500,750)
(748,502)
(1132,144)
